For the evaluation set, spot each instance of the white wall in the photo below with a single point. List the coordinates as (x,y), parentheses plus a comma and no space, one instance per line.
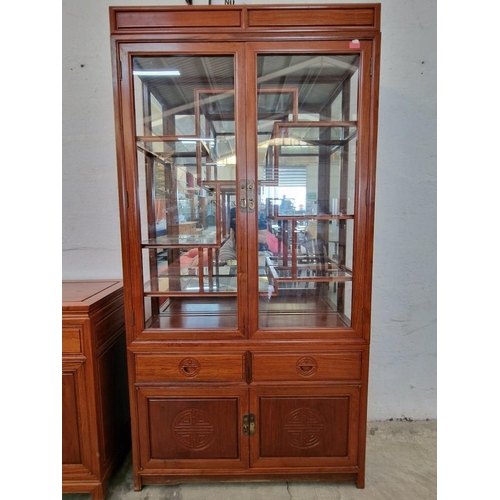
(403,360)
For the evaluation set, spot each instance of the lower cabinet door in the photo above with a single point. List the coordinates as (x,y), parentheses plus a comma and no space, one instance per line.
(192,428)
(304,426)
(76,440)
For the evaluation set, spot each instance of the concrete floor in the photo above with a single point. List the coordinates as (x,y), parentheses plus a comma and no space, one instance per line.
(400,465)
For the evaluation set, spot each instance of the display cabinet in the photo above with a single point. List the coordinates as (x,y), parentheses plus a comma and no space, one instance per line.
(246,147)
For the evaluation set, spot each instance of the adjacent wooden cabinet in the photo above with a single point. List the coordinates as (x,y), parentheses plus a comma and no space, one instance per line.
(246,147)
(95,403)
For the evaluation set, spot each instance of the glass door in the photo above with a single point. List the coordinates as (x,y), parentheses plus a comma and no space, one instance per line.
(306,154)
(185,124)
(246,157)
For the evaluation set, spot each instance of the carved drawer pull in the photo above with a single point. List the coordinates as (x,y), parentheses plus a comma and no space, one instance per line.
(306,369)
(189,367)
(306,366)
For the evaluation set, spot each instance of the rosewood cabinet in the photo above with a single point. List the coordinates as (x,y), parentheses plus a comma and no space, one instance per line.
(246,148)
(95,403)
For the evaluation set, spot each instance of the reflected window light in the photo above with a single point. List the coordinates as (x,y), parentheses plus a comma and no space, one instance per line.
(162,72)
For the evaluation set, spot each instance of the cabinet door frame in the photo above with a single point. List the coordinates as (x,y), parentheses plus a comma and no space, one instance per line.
(76,369)
(364,185)
(179,466)
(349,462)
(129,181)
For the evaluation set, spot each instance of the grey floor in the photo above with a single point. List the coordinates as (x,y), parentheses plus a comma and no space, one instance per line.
(400,465)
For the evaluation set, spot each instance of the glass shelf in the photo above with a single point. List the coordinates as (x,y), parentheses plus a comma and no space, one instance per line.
(181,241)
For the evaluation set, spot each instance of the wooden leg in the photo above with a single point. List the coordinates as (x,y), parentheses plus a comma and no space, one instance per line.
(98,493)
(137,482)
(360,481)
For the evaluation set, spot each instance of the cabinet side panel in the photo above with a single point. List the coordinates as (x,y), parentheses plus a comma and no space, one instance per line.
(109,322)
(112,368)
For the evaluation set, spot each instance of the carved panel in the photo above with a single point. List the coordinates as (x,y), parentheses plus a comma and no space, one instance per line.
(184,428)
(193,429)
(305,427)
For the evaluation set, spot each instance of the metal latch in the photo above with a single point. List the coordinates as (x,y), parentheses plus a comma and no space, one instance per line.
(247,196)
(249,424)
(251,195)
(243,196)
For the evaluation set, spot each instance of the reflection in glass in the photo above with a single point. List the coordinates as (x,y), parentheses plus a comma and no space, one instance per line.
(186,166)
(307,136)
(189,270)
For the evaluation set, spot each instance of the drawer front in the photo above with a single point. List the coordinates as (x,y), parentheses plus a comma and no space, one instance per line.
(190,367)
(71,339)
(341,365)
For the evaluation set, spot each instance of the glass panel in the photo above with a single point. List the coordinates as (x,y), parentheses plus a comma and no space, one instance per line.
(199,313)
(307,137)
(188,270)
(186,159)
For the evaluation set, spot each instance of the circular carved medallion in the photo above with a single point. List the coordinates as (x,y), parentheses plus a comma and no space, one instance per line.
(193,429)
(189,367)
(305,427)
(306,366)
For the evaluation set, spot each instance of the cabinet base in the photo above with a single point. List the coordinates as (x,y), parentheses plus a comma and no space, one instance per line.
(97,490)
(249,477)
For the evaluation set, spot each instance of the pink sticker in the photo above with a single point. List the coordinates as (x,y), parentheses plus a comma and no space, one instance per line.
(354,44)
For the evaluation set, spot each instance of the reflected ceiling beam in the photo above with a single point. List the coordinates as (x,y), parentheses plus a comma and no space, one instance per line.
(313,62)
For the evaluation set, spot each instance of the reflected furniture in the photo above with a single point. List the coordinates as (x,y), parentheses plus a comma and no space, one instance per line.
(258,121)
(95,403)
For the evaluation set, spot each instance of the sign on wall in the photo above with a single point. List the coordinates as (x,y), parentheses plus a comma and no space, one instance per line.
(226,2)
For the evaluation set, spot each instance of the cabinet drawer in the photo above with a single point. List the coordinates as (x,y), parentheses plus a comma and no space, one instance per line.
(189,367)
(342,365)
(71,340)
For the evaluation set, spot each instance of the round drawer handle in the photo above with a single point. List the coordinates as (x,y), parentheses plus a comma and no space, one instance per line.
(306,366)
(189,367)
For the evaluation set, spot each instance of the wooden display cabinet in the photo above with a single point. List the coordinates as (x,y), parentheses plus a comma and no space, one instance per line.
(95,404)
(256,126)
